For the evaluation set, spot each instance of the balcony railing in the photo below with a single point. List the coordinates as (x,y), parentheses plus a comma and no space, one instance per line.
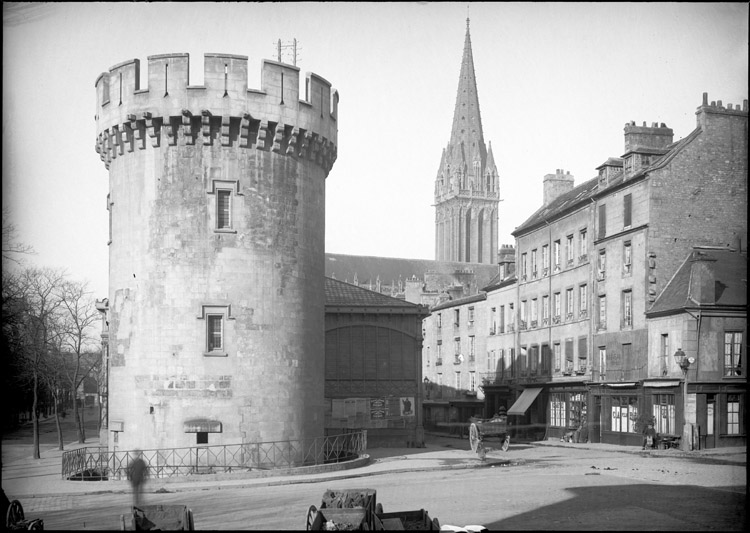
(98,463)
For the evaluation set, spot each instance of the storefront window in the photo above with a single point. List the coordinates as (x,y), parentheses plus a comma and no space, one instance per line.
(624,414)
(664,413)
(557,410)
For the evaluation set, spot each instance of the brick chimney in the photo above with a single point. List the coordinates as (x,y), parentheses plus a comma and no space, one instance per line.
(557,184)
(715,114)
(656,136)
(506,258)
(702,288)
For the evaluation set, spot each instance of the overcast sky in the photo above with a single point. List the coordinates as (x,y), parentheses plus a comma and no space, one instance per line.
(557,83)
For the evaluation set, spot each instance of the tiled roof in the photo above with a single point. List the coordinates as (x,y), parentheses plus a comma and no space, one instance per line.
(559,205)
(339,293)
(498,282)
(460,301)
(391,269)
(590,188)
(730,275)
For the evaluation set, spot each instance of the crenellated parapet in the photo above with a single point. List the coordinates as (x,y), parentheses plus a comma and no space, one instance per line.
(171,111)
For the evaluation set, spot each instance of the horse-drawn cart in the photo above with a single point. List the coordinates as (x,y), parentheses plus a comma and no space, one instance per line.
(480,428)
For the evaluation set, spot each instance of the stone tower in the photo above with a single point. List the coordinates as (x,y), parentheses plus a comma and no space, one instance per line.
(466,187)
(216,253)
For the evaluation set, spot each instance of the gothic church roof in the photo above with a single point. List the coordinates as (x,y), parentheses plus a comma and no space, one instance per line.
(392,269)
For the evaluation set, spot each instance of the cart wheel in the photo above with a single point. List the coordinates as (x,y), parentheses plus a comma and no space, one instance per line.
(36,525)
(506,443)
(379,508)
(435,524)
(473,437)
(312,513)
(14,514)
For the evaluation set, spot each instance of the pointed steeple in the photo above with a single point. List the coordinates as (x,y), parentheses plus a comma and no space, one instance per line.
(466,185)
(467,121)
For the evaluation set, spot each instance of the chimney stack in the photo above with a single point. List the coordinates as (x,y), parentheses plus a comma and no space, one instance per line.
(557,184)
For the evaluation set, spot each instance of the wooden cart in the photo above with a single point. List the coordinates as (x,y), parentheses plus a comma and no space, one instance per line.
(159,517)
(15,519)
(345,499)
(480,428)
(408,520)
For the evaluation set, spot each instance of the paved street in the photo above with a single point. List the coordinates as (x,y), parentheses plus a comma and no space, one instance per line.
(542,485)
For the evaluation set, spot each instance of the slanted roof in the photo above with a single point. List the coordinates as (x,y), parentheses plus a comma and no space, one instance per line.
(559,205)
(498,282)
(730,278)
(339,293)
(460,301)
(569,201)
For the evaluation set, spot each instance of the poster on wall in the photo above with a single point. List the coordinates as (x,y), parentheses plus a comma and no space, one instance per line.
(407,406)
(377,408)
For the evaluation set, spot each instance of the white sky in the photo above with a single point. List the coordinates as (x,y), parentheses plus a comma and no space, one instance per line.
(557,82)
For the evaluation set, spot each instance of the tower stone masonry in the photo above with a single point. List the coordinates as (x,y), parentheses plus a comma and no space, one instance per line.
(216,255)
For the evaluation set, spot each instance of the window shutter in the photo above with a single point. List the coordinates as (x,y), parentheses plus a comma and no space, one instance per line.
(569,350)
(582,351)
(627,214)
(602,221)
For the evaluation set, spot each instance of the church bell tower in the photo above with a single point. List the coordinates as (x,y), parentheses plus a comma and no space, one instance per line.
(466,187)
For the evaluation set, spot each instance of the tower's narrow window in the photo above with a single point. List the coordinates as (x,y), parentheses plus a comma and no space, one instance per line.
(226,79)
(215,333)
(166,77)
(223,209)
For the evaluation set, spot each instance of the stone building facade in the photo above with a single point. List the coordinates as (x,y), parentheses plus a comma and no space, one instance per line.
(701,315)
(217,208)
(590,265)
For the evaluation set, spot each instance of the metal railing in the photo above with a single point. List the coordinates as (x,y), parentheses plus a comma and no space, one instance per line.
(98,463)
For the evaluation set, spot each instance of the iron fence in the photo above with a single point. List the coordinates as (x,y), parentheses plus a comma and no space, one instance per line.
(99,463)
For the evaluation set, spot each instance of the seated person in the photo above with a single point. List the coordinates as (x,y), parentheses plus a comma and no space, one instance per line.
(649,437)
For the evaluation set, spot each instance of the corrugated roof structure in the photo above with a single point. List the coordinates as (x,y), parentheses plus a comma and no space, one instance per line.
(339,293)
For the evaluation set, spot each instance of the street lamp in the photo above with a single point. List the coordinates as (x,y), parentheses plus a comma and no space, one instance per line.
(684,363)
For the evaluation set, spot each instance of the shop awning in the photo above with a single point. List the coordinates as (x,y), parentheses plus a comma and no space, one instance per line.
(662,383)
(524,401)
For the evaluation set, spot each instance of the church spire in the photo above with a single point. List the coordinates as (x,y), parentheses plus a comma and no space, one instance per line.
(467,121)
(466,185)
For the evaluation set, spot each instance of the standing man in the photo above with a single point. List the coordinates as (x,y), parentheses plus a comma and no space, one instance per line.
(137,472)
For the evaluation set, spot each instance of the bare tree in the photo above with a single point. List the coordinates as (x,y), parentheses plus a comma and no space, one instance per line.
(10,246)
(30,299)
(55,382)
(78,317)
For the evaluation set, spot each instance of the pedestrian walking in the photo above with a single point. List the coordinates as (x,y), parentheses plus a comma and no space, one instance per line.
(137,472)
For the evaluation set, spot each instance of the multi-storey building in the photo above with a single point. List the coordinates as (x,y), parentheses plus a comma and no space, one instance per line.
(591,263)
(697,339)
